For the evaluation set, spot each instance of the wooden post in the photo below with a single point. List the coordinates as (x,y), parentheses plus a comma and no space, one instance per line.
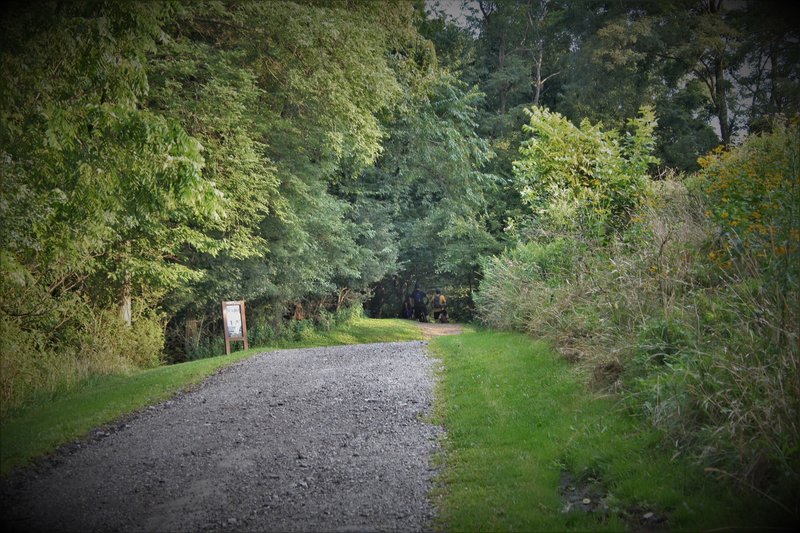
(234,324)
(192,335)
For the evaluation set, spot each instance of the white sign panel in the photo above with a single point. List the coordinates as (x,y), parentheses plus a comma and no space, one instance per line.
(233,316)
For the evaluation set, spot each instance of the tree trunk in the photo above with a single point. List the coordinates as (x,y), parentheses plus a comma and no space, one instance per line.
(538,81)
(127,288)
(125,302)
(192,336)
(722,101)
(719,95)
(774,76)
(501,59)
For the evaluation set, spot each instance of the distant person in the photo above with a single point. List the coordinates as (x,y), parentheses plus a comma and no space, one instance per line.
(439,307)
(408,307)
(420,308)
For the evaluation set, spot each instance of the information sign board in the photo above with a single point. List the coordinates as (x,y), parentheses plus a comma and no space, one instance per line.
(234,323)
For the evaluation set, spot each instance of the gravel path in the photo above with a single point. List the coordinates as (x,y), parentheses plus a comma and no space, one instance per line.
(323,439)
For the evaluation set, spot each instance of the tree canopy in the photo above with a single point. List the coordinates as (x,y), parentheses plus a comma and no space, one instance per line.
(308,155)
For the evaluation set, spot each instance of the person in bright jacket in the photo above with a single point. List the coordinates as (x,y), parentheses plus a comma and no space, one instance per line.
(439,305)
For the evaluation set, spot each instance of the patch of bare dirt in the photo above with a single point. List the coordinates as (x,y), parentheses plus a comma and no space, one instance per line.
(431,330)
(588,494)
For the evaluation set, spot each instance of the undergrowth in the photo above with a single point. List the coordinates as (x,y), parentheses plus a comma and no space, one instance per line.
(691,311)
(527,448)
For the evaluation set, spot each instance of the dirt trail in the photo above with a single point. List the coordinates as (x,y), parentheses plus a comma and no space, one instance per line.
(431,330)
(322,439)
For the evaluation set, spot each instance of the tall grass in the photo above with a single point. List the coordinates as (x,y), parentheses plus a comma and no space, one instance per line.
(93,343)
(692,314)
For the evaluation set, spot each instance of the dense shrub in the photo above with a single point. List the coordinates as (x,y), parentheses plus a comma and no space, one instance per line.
(691,312)
(520,285)
(92,343)
(584,177)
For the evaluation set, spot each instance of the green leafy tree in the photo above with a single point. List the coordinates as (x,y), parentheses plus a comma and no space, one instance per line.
(583,175)
(100,197)
(522,47)
(431,174)
(300,92)
(627,58)
(108,191)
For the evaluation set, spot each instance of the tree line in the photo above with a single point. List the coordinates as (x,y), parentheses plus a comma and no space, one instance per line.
(160,157)
(314,157)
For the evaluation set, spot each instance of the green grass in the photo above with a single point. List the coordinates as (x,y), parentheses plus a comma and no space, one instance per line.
(357,331)
(45,422)
(518,417)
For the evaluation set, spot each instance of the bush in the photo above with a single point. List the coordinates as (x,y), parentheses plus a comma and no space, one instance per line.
(92,343)
(28,365)
(108,345)
(691,313)
(207,347)
(582,177)
(524,281)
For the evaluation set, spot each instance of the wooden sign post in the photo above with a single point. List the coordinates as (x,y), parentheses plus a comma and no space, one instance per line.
(234,324)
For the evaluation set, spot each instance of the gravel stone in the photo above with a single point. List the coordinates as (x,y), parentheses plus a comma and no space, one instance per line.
(319,439)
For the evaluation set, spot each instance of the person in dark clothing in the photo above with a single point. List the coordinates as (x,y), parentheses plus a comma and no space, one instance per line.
(408,307)
(420,308)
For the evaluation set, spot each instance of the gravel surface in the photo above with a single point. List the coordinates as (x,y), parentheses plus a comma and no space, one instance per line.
(322,439)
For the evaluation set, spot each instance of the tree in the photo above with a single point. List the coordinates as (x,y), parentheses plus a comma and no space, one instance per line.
(288,100)
(584,178)
(112,191)
(521,47)
(708,54)
(431,175)
(770,59)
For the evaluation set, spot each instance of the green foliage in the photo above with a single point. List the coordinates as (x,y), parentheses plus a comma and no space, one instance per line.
(519,420)
(682,321)
(98,343)
(305,91)
(88,175)
(180,155)
(99,195)
(754,197)
(584,178)
(431,174)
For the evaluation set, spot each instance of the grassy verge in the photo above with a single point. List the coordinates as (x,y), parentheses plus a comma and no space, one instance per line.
(48,421)
(527,445)
(357,331)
